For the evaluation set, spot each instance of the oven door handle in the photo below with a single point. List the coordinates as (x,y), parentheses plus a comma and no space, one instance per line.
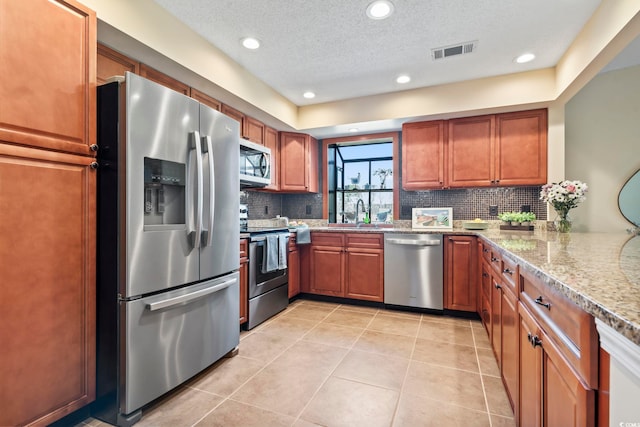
(170,302)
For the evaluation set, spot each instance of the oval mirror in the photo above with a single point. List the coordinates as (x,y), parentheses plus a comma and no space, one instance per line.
(629,199)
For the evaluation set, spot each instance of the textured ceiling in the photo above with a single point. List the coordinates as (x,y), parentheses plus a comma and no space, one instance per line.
(331,48)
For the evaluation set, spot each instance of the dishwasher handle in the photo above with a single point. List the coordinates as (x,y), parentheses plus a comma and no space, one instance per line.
(414,242)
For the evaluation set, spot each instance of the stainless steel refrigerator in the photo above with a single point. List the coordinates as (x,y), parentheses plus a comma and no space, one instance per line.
(168,253)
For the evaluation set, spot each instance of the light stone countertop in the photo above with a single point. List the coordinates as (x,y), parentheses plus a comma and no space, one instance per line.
(600,272)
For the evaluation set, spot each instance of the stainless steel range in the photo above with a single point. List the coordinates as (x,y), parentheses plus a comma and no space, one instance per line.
(268,273)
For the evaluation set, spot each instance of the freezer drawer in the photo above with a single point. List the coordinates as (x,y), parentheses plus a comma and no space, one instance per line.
(170,337)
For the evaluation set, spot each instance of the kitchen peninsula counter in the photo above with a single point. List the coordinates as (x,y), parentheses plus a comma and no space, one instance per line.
(600,272)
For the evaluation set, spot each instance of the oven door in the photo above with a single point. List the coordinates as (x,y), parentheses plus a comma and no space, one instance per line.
(260,283)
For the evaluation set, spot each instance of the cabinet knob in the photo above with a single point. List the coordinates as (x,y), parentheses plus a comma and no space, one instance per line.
(539,301)
(93,147)
(508,271)
(485,250)
(498,286)
(485,275)
(94,165)
(494,259)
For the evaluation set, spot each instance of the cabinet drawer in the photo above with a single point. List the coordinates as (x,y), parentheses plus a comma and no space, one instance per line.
(292,242)
(327,239)
(510,274)
(365,240)
(567,324)
(486,280)
(244,248)
(486,252)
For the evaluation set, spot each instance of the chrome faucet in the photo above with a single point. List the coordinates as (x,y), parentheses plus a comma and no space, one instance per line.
(358,222)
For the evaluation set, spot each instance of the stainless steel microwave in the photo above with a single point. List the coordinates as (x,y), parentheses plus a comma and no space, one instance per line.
(255,164)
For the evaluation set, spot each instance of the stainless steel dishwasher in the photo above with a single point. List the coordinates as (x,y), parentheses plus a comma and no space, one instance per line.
(413,270)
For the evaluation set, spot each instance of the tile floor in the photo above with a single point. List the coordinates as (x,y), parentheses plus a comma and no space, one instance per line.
(330,364)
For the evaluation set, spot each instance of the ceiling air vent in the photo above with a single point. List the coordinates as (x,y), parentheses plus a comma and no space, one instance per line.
(454,50)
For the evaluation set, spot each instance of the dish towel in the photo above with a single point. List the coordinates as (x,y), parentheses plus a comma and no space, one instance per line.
(303,236)
(270,253)
(283,250)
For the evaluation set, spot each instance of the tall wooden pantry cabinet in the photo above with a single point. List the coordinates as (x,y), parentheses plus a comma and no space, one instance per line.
(47,209)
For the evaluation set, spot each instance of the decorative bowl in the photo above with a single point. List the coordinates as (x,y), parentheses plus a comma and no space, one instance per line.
(474,225)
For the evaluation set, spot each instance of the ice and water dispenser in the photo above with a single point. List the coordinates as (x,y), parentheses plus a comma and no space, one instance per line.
(164,192)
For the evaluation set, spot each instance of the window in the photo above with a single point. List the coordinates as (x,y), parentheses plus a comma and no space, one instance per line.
(362,171)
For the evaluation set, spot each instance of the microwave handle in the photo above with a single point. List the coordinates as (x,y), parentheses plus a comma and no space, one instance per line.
(208,148)
(194,142)
(265,161)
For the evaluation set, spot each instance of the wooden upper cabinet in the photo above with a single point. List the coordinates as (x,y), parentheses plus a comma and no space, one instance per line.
(112,63)
(423,155)
(253,130)
(471,151)
(298,162)
(271,141)
(234,114)
(164,80)
(521,148)
(206,99)
(48,84)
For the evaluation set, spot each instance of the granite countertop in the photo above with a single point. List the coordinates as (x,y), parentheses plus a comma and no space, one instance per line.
(600,272)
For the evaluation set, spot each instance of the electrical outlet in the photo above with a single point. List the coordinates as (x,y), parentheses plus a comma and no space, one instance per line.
(266,210)
(308,209)
(493,210)
(525,208)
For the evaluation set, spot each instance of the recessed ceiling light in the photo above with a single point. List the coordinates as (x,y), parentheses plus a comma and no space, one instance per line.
(379,9)
(309,95)
(527,57)
(250,43)
(353,130)
(403,79)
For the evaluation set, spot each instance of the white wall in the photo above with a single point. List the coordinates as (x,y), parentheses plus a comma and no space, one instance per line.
(602,146)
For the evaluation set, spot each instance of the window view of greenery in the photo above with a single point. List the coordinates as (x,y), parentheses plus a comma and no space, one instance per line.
(361,172)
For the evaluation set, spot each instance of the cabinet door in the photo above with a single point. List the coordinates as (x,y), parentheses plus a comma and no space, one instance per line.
(253,130)
(205,99)
(164,80)
(271,141)
(510,324)
(112,63)
(327,271)
(460,261)
(47,290)
(521,148)
(364,274)
(567,401)
(529,407)
(294,273)
(485,295)
(298,163)
(234,114)
(471,152)
(48,84)
(496,318)
(423,156)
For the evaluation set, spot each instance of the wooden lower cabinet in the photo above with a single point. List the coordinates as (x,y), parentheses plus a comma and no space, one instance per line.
(509,329)
(459,274)
(48,288)
(294,268)
(244,279)
(551,393)
(347,265)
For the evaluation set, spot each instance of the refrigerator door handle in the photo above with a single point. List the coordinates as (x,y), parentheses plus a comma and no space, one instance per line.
(194,142)
(208,234)
(170,302)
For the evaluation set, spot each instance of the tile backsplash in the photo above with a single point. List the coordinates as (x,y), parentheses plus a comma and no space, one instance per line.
(466,203)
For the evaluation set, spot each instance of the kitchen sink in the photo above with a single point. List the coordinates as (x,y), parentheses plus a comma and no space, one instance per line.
(360,225)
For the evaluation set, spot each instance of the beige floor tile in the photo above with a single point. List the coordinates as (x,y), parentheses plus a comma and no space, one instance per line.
(304,423)
(232,413)
(389,344)
(347,403)
(481,337)
(355,319)
(395,325)
(449,320)
(324,304)
(358,308)
(498,421)
(487,360)
(400,313)
(454,386)
(331,334)
(310,356)
(446,332)
(285,391)
(288,326)
(264,347)
(309,312)
(374,369)
(227,376)
(497,396)
(446,354)
(182,408)
(416,410)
